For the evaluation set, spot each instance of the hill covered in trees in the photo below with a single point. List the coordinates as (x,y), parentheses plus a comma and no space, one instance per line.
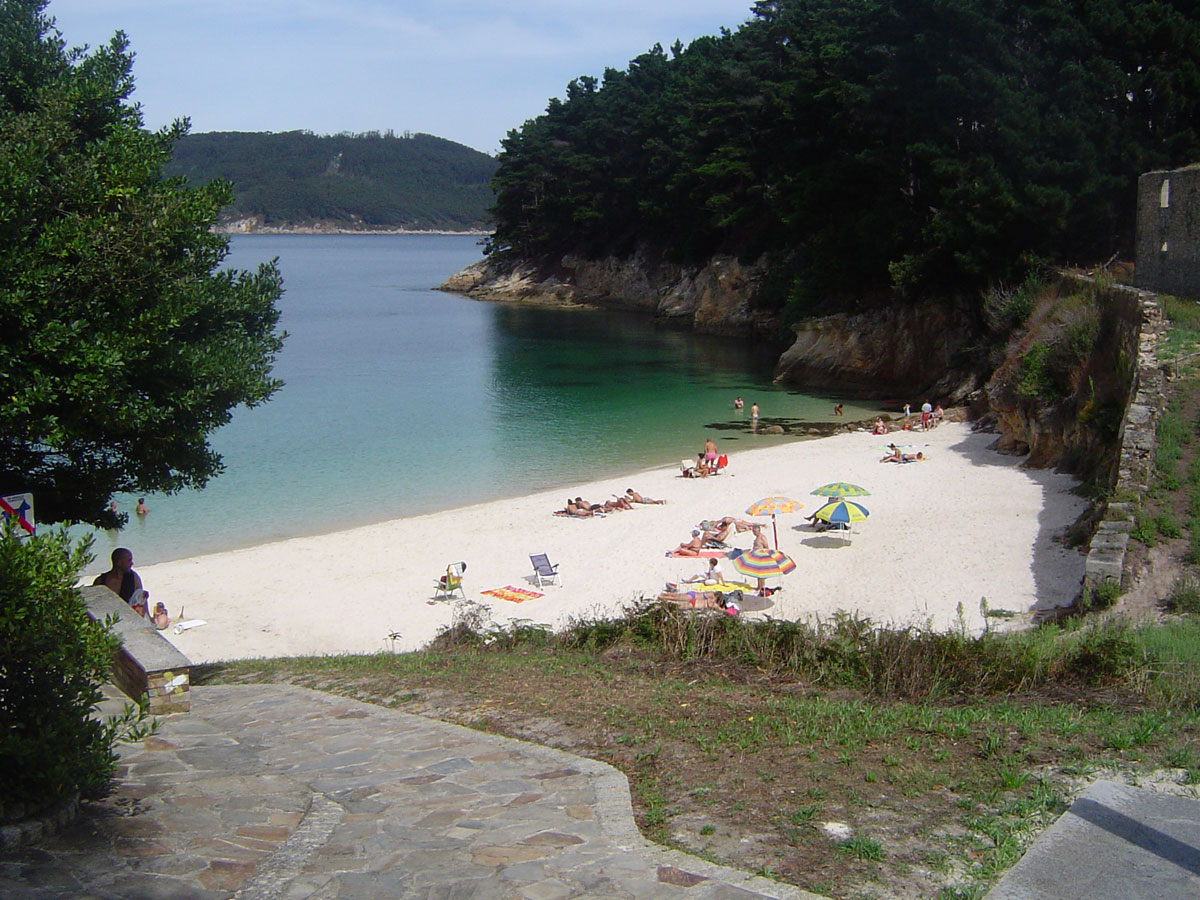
(366,181)
(910,145)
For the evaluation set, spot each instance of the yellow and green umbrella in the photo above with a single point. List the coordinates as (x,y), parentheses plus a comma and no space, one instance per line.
(841,489)
(842,512)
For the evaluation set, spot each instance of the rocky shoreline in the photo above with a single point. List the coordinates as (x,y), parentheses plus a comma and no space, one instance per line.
(898,351)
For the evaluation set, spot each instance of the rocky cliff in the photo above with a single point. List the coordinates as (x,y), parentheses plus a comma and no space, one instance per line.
(1062,387)
(716,298)
(892,351)
(898,351)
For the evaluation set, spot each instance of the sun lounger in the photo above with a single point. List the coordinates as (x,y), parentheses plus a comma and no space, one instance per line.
(543,571)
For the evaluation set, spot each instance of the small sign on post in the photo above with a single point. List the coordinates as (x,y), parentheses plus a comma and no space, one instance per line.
(20,508)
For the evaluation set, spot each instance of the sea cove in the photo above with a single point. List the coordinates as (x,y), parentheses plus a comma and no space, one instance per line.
(400,400)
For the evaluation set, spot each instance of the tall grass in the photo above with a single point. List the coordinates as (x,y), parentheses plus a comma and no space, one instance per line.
(850,651)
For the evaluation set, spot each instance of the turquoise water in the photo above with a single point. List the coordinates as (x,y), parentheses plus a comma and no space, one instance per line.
(401,400)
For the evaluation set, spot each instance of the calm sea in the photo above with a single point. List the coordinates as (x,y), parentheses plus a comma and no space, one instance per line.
(401,400)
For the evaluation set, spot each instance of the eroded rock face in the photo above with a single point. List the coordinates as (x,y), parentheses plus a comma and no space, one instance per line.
(1078,428)
(714,298)
(899,349)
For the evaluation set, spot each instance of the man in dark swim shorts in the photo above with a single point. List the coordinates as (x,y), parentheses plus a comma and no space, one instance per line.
(124,582)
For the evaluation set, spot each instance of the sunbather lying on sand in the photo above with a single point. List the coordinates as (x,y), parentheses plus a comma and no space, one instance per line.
(720,529)
(701,600)
(635,497)
(574,509)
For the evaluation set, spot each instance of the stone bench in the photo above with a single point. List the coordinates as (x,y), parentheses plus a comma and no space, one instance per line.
(147,664)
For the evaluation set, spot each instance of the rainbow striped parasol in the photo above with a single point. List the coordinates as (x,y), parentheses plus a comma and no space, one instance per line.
(763,563)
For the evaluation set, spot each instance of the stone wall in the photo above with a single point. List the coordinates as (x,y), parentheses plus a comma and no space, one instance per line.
(1168,232)
(147,664)
(1138,435)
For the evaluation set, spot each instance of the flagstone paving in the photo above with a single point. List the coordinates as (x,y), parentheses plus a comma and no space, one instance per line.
(266,792)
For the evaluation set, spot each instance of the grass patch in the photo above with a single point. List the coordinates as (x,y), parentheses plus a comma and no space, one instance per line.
(861,848)
(946,746)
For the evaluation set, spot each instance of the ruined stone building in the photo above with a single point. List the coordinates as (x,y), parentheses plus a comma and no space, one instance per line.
(1168,232)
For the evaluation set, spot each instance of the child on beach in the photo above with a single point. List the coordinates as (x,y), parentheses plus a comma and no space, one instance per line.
(713,575)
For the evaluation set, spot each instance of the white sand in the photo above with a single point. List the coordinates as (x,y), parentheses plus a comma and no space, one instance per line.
(966,524)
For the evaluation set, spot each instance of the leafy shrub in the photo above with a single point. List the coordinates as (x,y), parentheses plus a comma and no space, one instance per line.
(1193,552)
(1144,530)
(1008,308)
(1166,525)
(1104,654)
(1185,594)
(1033,379)
(52,660)
(1103,596)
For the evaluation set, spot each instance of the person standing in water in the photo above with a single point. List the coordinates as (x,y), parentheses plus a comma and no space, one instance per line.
(738,403)
(754,410)
(141,507)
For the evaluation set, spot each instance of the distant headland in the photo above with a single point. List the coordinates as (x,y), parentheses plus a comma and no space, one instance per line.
(297,182)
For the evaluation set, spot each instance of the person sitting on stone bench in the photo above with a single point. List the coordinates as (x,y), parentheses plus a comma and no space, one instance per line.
(124,582)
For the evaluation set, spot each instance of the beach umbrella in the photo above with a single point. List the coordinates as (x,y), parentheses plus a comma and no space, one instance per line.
(771,506)
(842,512)
(763,563)
(841,489)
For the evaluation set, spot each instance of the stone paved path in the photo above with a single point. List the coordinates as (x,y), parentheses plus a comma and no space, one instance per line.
(280,793)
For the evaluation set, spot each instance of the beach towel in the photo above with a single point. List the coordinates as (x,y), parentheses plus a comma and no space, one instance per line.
(562,513)
(513,594)
(704,554)
(727,587)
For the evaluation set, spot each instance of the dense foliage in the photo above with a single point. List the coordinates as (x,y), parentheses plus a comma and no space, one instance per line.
(121,345)
(352,181)
(52,658)
(917,143)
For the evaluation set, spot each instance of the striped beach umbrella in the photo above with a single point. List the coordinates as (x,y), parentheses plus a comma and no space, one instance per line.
(842,512)
(841,489)
(772,506)
(763,563)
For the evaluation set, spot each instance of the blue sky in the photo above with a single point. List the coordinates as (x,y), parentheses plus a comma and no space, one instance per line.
(467,70)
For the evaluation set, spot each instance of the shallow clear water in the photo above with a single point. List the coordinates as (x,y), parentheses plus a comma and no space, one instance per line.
(401,400)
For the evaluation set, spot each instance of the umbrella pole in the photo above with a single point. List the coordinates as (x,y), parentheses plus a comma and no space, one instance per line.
(775,528)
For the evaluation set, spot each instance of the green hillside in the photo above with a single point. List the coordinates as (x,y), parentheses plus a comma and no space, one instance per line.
(367,181)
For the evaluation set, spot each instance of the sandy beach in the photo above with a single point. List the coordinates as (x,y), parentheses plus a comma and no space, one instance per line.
(965,524)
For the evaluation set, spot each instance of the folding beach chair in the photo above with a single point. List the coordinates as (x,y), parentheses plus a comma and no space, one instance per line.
(451,581)
(543,571)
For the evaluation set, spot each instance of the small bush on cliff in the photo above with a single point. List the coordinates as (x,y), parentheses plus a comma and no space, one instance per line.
(52,660)
(1007,308)
(1034,380)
